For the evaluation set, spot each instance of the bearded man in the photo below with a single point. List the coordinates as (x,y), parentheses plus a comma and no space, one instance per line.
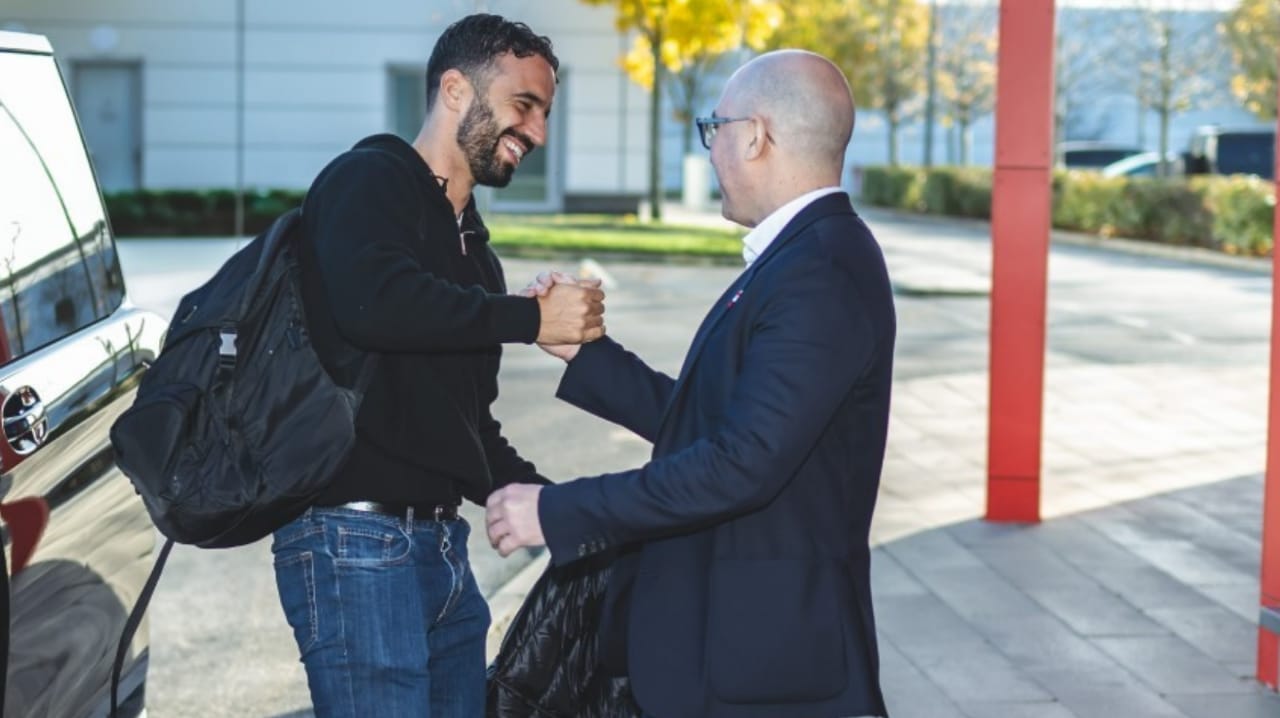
(374,577)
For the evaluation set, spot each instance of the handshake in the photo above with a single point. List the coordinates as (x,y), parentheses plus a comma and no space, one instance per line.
(572,312)
(572,315)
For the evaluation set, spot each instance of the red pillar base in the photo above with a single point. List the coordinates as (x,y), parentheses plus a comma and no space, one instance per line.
(1269,659)
(1013,499)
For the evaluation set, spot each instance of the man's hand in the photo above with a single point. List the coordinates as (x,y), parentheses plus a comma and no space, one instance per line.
(552,336)
(511,518)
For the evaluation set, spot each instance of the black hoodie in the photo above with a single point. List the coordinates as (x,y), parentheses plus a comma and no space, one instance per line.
(387,269)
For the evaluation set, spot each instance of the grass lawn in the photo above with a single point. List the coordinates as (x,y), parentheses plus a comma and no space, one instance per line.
(606,233)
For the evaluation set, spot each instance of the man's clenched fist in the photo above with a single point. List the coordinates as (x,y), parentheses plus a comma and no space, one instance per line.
(571,314)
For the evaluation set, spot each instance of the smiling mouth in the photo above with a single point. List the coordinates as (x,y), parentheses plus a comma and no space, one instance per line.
(516,149)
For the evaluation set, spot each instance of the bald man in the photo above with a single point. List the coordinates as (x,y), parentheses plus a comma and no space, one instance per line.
(741,586)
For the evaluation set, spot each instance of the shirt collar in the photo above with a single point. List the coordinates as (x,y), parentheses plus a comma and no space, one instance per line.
(758,240)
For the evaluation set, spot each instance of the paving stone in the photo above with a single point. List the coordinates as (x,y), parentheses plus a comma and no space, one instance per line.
(1235,502)
(1124,701)
(932,549)
(1257,704)
(1025,709)
(1120,525)
(1176,516)
(1244,670)
(1085,674)
(1077,542)
(1170,665)
(1043,642)
(979,533)
(1190,563)
(1242,599)
(1147,587)
(1031,565)
(1094,611)
(923,624)
(1218,632)
(979,674)
(890,579)
(908,693)
(979,595)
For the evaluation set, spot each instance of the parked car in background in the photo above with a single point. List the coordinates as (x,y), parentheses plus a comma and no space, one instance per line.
(77,539)
(1144,164)
(1092,155)
(1225,151)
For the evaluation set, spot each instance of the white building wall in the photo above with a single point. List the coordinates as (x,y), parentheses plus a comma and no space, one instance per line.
(316,80)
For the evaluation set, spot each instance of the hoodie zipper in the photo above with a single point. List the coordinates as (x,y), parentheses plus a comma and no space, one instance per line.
(462,236)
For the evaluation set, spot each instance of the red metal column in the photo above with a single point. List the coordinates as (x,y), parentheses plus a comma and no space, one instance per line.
(1020,214)
(1269,630)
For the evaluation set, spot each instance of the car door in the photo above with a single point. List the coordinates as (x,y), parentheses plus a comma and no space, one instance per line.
(71,353)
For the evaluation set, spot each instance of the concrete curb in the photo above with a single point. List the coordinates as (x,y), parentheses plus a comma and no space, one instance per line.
(507,599)
(954,286)
(1180,253)
(1193,255)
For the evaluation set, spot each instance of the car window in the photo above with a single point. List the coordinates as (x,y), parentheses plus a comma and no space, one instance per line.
(1252,153)
(58,267)
(1093,158)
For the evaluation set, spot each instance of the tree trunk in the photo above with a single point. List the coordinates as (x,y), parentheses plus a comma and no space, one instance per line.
(1166,95)
(655,132)
(966,143)
(1163,167)
(931,94)
(893,138)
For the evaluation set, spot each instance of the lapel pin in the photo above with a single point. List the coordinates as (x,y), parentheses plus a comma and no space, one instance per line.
(734,300)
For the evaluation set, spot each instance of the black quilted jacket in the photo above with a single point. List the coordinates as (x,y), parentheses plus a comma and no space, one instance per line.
(547,666)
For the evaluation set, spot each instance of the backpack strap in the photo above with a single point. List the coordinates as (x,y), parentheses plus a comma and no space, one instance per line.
(368,368)
(368,365)
(131,625)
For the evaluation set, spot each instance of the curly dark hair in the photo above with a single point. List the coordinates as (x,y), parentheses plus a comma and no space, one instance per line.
(473,44)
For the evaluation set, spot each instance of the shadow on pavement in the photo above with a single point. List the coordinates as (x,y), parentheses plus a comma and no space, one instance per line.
(1145,607)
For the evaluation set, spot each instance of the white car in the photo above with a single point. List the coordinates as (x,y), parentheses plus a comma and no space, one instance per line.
(77,539)
(1143,164)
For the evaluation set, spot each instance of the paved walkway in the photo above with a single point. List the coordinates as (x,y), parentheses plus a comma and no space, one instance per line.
(1138,594)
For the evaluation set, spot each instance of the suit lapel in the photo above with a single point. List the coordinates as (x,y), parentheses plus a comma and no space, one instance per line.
(835,203)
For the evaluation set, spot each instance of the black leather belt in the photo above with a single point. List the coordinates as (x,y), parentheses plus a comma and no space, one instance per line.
(428,512)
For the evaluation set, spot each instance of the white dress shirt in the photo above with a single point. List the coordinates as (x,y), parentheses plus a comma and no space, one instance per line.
(759,239)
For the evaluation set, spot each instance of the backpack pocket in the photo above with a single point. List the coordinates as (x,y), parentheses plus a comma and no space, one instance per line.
(148,438)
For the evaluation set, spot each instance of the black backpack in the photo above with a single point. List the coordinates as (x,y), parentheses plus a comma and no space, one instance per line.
(237,426)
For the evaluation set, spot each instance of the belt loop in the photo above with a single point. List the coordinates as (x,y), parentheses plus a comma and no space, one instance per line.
(408,519)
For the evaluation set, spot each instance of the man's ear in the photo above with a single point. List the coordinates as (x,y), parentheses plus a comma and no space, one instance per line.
(757,139)
(455,90)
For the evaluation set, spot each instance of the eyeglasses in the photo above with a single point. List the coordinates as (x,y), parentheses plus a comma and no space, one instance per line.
(707,127)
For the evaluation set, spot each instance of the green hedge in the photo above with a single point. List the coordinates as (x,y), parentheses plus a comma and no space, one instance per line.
(1232,214)
(194,212)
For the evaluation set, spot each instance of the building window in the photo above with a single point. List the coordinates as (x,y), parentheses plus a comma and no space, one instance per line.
(408,101)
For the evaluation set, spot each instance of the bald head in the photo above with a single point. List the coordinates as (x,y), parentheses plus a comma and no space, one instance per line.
(806,101)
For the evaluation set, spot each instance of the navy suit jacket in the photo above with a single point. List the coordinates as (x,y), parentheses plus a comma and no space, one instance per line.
(742,586)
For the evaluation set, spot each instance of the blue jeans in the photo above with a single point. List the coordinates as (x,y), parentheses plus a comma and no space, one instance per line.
(387,615)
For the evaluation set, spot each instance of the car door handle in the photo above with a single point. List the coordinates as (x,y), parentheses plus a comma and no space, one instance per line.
(25,421)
